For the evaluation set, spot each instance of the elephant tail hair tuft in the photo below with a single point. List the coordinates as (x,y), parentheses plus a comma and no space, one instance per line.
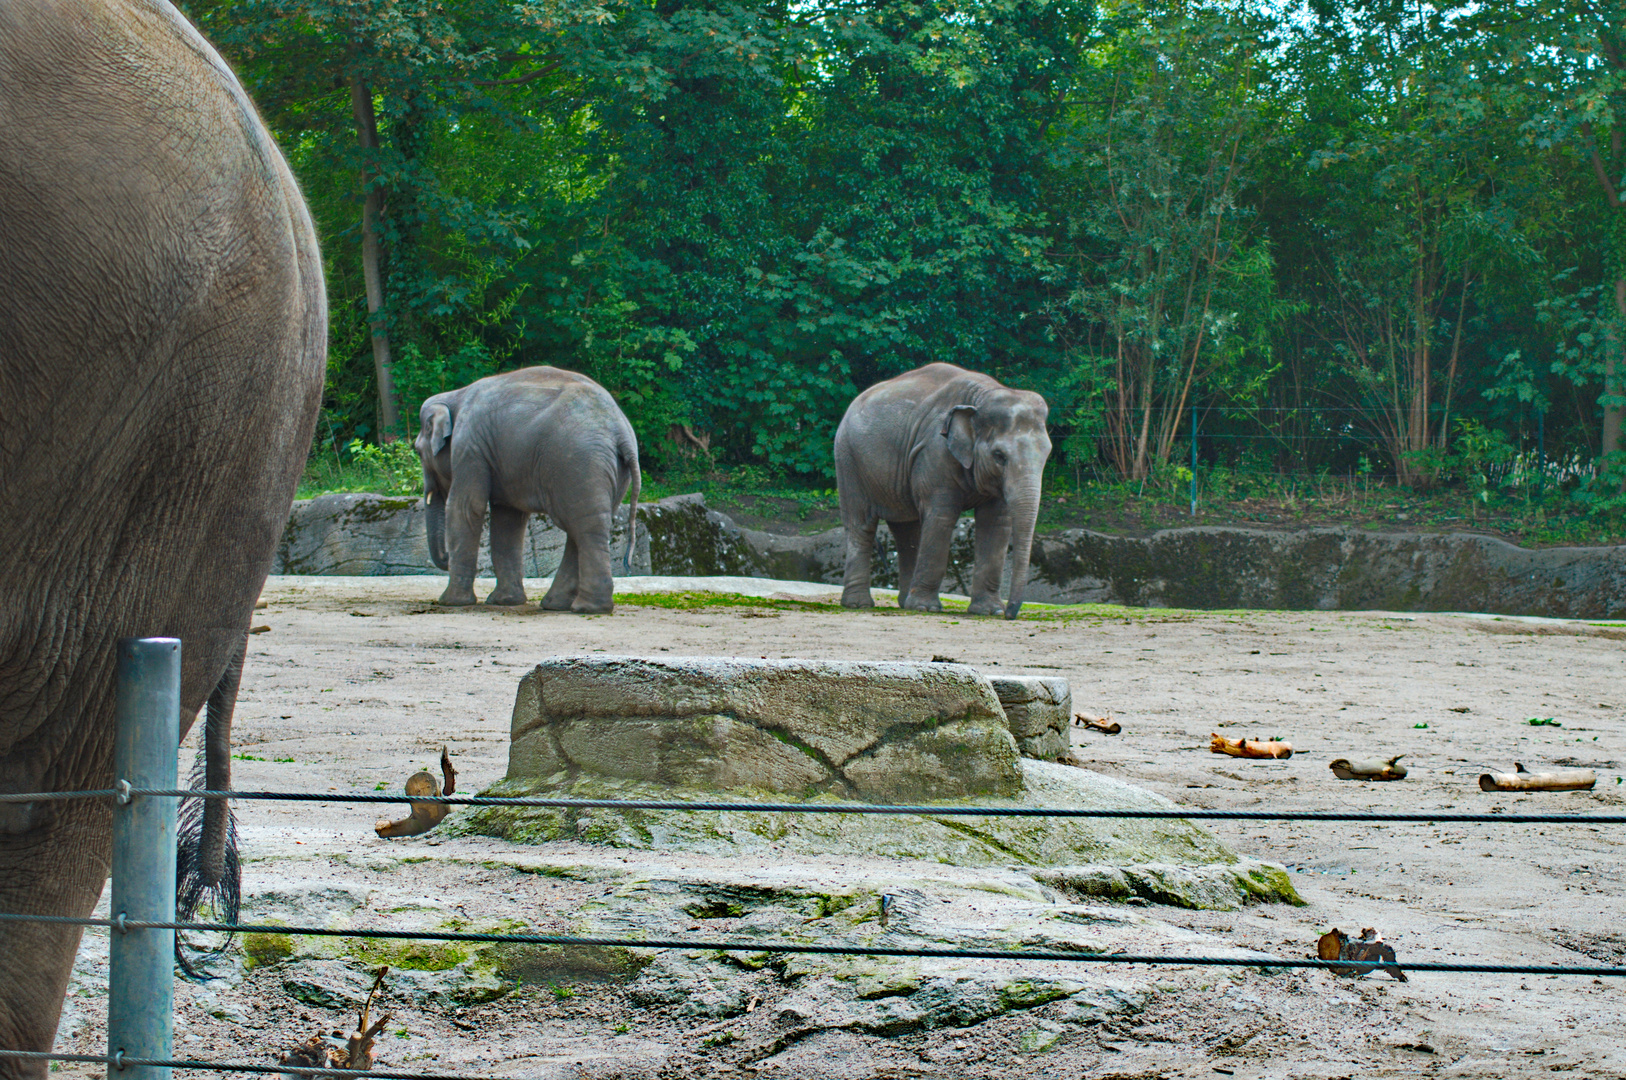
(205,878)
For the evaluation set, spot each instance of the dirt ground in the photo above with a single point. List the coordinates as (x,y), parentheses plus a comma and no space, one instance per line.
(359,681)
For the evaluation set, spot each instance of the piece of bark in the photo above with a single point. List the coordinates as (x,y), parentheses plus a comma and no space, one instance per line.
(1369,768)
(1369,949)
(425,815)
(1104,724)
(358,1048)
(1522,779)
(1249,748)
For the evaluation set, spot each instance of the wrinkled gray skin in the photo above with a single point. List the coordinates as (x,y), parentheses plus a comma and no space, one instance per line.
(162,341)
(535,441)
(919,450)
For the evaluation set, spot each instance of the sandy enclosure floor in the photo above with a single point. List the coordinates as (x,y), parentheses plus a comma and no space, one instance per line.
(359,681)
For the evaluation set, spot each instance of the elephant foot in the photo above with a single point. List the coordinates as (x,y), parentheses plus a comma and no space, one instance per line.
(923,603)
(983,605)
(501,597)
(455,597)
(581,608)
(857,598)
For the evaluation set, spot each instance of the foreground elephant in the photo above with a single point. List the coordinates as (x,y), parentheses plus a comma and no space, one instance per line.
(534,441)
(162,340)
(919,450)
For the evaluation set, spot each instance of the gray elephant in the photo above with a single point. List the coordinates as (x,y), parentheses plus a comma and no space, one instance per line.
(535,441)
(163,333)
(916,452)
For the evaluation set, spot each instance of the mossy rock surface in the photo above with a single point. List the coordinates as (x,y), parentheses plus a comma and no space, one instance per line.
(954,840)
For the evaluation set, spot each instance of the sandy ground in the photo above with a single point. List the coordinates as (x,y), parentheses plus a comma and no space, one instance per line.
(359,681)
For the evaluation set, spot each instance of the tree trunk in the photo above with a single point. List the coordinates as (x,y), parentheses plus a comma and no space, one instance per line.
(389,420)
(1614,384)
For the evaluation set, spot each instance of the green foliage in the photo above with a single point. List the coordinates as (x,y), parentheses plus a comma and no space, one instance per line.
(1337,228)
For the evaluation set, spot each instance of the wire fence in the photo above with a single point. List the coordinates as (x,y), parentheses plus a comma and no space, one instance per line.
(141,977)
(1494,817)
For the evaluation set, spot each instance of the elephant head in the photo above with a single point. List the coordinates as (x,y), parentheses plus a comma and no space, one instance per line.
(434,447)
(1002,443)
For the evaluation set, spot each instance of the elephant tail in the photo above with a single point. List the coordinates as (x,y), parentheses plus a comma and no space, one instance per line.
(629,461)
(206,864)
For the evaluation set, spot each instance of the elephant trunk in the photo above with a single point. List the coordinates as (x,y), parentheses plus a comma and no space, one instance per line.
(1023,499)
(435,525)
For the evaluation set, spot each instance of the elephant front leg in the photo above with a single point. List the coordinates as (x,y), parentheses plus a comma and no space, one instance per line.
(993,531)
(936,530)
(860,554)
(508,554)
(465,516)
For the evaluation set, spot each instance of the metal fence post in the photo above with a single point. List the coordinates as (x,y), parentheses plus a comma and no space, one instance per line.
(141,963)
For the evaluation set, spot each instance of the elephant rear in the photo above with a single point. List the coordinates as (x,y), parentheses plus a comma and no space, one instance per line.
(163,333)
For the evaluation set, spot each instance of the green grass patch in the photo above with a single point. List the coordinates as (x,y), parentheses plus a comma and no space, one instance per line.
(687,601)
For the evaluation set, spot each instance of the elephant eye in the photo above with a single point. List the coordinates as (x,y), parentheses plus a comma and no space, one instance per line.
(999,456)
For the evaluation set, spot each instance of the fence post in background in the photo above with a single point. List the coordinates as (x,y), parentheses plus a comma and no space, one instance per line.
(141,963)
(1194,461)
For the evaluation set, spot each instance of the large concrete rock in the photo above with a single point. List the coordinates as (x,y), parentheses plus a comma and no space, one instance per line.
(1311,569)
(382,535)
(1039,711)
(1328,570)
(708,729)
(881,732)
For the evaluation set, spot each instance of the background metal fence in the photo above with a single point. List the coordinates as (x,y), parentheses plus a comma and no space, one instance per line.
(140,1019)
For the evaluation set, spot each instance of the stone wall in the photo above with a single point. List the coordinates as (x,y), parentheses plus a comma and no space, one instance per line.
(1310,569)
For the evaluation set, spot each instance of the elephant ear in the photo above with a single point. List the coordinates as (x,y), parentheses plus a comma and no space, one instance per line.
(438,419)
(957,429)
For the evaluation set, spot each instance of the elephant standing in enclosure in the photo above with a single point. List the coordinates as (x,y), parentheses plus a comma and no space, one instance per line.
(535,441)
(163,333)
(917,451)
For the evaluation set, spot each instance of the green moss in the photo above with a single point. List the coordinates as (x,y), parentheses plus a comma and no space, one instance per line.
(549,964)
(1030,993)
(263,950)
(1266,884)
(408,955)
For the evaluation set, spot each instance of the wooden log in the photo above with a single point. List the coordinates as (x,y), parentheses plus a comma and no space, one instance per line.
(1249,748)
(1521,779)
(425,815)
(1368,768)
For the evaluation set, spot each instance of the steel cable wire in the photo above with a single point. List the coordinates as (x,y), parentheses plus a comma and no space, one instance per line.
(1259,960)
(1489,818)
(124,1061)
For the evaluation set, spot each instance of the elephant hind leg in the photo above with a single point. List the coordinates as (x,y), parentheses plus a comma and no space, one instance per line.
(563,590)
(860,555)
(508,554)
(907,536)
(206,865)
(595,581)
